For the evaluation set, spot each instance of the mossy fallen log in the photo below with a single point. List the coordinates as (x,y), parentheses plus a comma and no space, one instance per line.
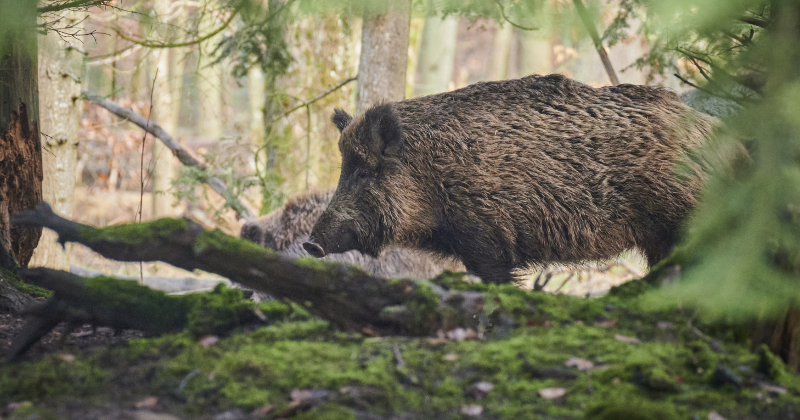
(344,295)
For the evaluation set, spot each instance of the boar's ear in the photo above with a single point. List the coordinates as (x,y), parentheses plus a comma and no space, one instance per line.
(387,133)
(341,119)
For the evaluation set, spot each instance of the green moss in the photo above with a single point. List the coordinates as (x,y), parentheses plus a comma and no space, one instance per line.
(665,376)
(702,356)
(422,308)
(631,289)
(49,378)
(769,364)
(136,233)
(216,239)
(310,262)
(218,312)
(327,411)
(28,411)
(142,307)
(626,408)
(17,283)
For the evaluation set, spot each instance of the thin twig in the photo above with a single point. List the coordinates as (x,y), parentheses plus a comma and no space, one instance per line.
(722,95)
(318,97)
(151,44)
(141,168)
(598,44)
(183,156)
(761,23)
(70,5)
(516,25)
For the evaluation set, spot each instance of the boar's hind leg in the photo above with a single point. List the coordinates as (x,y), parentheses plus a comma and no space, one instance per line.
(658,249)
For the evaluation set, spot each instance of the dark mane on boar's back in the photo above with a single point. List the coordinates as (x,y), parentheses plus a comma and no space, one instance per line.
(528,171)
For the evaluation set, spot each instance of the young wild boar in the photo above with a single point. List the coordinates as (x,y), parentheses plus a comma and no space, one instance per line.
(287,228)
(520,172)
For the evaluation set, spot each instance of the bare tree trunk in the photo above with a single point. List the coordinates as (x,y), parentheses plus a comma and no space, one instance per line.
(255,84)
(166,108)
(536,47)
(436,55)
(20,147)
(208,78)
(384,54)
(498,65)
(60,74)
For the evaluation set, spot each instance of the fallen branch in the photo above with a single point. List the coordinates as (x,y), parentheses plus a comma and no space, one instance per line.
(342,294)
(168,285)
(183,156)
(598,44)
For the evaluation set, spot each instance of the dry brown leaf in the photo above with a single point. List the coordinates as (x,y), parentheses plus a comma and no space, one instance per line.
(580,364)
(626,339)
(148,402)
(552,393)
(715,416)
(262,411)
(472,410)
(606,324)
(208,340)
(66,357)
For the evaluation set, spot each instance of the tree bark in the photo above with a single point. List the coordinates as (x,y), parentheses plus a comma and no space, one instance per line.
(20,147)
(209,78)
(436,55)
(255,85)
(536,47)
(501,50)
(166,108)
(60,75)
(384,55)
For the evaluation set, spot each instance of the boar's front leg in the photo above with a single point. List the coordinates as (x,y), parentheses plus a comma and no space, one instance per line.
(489,270)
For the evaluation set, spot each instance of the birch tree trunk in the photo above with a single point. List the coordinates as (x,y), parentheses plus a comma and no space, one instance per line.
(60,75)
(436,55)
(20,147)
(384,54)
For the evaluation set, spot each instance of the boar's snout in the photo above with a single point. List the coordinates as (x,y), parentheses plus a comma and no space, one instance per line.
(313,249)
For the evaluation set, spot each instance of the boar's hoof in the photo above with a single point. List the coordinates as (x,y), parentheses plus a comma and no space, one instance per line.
(314,249)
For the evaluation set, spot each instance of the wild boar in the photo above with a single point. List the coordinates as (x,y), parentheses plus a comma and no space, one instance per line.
(287,228)
(503,175)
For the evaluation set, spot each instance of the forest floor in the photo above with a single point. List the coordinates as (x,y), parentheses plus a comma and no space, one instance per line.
(536,356)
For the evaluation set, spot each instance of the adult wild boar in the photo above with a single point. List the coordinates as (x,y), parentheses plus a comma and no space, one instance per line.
(518,172)
(286,229)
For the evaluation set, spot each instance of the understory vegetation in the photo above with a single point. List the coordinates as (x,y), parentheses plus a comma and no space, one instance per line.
(534,356)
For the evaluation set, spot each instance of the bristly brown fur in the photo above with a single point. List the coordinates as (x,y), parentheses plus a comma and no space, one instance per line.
(533,170)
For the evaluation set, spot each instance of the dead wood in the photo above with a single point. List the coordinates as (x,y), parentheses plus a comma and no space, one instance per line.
(183,156)
(342,294)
